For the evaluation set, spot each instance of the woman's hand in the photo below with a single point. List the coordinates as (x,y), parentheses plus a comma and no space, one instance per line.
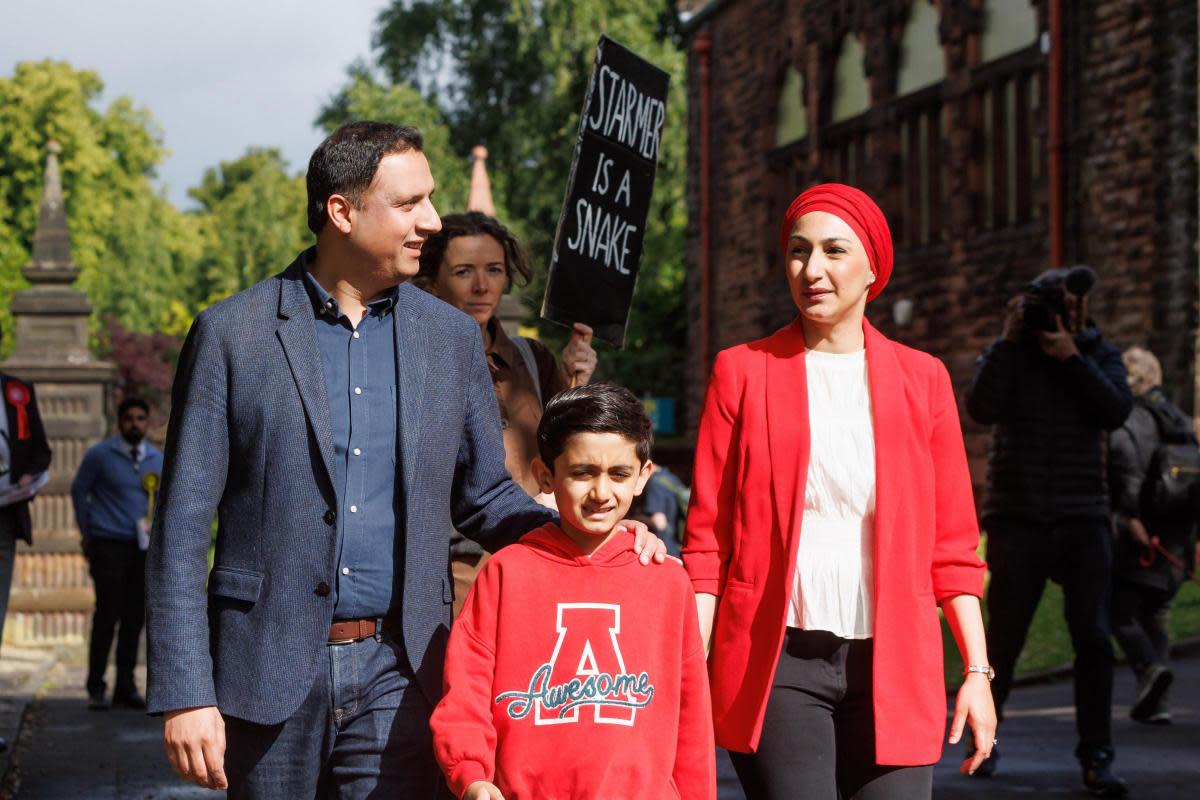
(1139,533)
(974,707)
(974,704)
(578,357)
(482,790)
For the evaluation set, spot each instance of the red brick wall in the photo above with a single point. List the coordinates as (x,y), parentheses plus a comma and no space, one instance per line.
(1129,158)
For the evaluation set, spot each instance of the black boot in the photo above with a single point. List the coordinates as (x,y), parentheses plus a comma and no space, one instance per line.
(1098,778)
(1153,683)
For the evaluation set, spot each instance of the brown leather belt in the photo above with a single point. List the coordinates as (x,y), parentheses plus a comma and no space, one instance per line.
(344,631)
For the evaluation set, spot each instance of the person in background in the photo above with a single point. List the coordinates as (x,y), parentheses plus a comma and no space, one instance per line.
(820,603)
(471,264)
(24,455)
(1052,386)
(664,507)
(1156,533)
(111,498)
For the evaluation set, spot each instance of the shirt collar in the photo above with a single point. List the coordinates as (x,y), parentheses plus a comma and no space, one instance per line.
(501,349)
(326,306)
(125,447)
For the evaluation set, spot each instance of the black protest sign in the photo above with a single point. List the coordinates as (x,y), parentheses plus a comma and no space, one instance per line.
(598,245)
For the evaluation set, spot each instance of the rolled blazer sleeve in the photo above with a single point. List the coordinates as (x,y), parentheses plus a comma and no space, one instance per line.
(714,484)
(193,481)
(957,568)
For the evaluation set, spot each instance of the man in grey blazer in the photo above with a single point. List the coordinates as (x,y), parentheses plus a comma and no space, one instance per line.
(338,423)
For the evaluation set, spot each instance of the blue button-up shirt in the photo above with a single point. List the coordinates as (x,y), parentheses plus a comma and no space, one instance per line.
(360,381)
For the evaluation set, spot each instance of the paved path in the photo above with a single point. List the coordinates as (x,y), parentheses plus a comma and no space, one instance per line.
(1038,742)
(66,752)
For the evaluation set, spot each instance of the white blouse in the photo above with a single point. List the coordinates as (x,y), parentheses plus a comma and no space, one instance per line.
(833,586)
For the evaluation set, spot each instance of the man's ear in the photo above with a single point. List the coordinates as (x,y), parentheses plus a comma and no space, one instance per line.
(339,210)
(643,477)
(544,476)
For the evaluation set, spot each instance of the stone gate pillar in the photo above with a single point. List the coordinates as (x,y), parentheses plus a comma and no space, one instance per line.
(52,598)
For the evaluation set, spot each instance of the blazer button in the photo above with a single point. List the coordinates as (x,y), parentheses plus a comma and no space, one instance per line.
(330,517)
(322,589)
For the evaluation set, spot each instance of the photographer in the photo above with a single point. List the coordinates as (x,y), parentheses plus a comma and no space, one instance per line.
(1052,387)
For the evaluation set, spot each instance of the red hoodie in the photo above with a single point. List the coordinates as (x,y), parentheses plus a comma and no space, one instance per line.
(576,677)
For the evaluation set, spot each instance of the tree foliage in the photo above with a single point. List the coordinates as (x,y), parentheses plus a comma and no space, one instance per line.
(133,247)
(511,74)
(252,216)
(365,97)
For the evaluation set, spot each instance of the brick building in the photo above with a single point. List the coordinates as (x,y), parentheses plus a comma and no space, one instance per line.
(999,136)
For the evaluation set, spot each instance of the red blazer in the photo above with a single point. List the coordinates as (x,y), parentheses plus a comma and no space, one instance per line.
(746,514)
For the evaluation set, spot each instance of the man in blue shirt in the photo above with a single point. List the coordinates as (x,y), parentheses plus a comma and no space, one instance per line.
(339,423)
(111,500)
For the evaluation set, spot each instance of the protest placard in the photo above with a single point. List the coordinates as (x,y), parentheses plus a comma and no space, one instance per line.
(598,245)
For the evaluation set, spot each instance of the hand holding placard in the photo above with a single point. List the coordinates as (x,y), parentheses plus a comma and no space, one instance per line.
(598,245)
(578,357)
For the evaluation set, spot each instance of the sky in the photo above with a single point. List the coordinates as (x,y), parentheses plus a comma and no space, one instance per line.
(219,76)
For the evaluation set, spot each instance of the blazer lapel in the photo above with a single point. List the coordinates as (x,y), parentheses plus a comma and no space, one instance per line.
(889,410)
(299,340)
(412,358)
(787,427)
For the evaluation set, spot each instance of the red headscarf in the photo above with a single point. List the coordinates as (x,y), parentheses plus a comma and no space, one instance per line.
(858,211)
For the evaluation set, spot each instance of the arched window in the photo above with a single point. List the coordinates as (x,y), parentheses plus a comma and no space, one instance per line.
(921,60)
(1008,26)
(792,122)
(851,92)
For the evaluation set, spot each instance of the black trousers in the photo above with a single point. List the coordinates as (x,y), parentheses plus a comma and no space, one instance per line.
(818,738)
(119,574)
(1077,554)
(1140,617)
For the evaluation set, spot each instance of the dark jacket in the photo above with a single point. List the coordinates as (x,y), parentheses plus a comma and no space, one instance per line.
(28,456)
(250,442)
(1130,450)
(1047,456)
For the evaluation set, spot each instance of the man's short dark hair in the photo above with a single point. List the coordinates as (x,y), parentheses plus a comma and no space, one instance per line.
(132,402)
(595,408)
(346,162)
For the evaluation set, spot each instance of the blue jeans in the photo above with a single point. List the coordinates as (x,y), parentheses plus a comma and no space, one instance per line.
(362,732)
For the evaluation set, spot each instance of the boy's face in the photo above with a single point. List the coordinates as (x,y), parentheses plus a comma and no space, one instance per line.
(594,481)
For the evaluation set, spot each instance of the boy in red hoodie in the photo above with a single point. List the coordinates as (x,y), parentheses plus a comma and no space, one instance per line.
(572,673)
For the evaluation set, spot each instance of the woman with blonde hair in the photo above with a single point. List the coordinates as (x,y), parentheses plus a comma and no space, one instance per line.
(1155,517)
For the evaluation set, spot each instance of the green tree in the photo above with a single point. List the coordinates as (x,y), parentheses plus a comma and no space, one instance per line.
(252,214)
(364,97)
(120,226)
(511,74)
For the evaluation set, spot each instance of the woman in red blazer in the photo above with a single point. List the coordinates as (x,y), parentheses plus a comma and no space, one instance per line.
(822,544)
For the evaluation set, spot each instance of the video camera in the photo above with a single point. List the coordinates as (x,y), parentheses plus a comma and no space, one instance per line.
(1043,299)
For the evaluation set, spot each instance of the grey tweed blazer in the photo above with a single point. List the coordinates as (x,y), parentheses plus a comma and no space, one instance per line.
(250,443)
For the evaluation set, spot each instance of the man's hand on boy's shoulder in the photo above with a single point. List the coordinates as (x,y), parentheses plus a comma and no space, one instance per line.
(482,790)
(645,543)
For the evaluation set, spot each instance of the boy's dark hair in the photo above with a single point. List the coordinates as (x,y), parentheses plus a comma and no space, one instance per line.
(595,408)
(346,162)
(132,402)
(472,223)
